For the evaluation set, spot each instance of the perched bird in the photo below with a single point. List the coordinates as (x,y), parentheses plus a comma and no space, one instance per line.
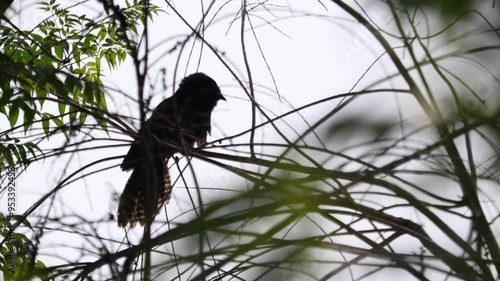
(176,124)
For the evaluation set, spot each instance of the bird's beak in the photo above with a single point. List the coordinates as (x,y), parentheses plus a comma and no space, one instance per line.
(222,97)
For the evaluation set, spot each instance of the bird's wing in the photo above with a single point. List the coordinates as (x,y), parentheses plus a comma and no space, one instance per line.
(158,128)
(204,130)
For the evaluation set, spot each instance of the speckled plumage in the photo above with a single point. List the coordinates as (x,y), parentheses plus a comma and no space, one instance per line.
(176,124)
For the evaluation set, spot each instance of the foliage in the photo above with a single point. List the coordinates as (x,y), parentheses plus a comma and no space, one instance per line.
(58,61)
(348,195)
(16,260)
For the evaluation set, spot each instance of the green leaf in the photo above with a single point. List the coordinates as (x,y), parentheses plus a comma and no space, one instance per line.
(24,222)
(77,92)
(102,33)
(58,85)
(82,118)
(59,50)
(31,146)
(22,154)
(5,151)
(29,116)
(102,123)
(8,152)
(13,114)
(62,107)
(60,125)
(40,267)
(72,114)
(70,83)
(76,54)
(102,100)
(42,92)
(45,125)
(88,93)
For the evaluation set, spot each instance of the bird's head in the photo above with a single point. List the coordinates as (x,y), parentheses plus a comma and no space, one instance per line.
(200,89)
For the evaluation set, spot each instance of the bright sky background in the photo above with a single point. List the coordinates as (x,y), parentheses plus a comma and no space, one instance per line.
(310,57)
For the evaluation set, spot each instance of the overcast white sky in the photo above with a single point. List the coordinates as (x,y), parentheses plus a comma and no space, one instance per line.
(310,57)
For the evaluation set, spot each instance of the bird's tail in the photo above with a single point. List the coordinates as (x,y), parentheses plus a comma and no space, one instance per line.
(131,209)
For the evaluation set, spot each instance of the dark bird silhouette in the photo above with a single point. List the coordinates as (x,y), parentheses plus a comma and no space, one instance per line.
(176,124)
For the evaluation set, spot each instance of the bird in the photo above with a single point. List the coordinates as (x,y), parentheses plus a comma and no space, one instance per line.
(176,125)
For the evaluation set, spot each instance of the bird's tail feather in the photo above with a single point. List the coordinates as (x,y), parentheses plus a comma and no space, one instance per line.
(131,209)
